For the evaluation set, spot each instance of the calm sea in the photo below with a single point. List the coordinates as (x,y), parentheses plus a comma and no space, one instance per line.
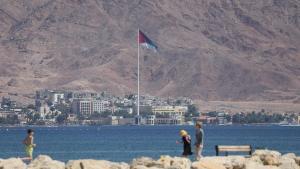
(123,143)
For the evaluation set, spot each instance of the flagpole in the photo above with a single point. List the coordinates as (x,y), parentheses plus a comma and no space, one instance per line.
(138,74)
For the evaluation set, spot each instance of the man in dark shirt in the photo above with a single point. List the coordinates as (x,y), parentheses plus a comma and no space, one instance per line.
(199,140)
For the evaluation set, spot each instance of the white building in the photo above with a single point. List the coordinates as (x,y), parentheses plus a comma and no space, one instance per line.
(43,109)
(56,97)
(100,105)
(89,106)
(150,120)
(170,110)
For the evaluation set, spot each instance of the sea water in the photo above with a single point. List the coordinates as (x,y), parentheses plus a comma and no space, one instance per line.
(123,143)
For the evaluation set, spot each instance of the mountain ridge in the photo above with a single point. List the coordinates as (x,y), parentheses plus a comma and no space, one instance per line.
(208,50)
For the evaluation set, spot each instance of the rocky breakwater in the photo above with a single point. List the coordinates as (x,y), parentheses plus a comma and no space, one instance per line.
(261,159)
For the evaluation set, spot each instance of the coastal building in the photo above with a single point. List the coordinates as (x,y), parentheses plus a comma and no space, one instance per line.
(100,105)
(8,104)
(87,106)
(169,110)
(126,121)
(43,109)
(208,120)
(172,115)
(72,118)
(5,114)
(298,119)
(82,106)
(84,95)
(221,118)
(150,120)
(171,120)
(56,97)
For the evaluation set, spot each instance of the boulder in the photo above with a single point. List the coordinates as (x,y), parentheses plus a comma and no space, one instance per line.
(175,162)
(288,163)
(255,165)
(290,155)
(95,164)
(237,162)
(229,162)
(255,159)
(207,164)
(45,162)
(142,167)
(266,152)
(145,162)
(297,160)
(268,157)
(271,160)
(12,163)
(162,163)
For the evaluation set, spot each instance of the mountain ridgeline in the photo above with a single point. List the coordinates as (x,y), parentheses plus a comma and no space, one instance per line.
(208,49)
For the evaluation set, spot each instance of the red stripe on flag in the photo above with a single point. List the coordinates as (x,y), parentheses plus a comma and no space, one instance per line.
(141,37)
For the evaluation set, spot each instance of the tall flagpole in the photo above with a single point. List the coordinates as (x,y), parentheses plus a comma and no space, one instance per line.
(138,74)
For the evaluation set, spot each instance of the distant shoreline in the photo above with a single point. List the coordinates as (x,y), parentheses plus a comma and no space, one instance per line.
(55,126)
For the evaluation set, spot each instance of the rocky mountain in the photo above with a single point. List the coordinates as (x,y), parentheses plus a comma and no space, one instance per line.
(208,49)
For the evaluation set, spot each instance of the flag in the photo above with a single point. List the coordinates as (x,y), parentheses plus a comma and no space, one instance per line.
(146,42)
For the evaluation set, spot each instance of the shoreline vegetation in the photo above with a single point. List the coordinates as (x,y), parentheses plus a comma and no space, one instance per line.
(260,159)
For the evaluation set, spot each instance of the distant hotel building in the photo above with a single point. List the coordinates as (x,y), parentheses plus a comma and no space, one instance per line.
(82,106)
(100,105)
(169,110)
(167,115)
(89,106)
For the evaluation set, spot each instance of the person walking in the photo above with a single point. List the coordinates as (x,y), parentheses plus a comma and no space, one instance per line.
(186,141)
(199,140)
(29,145)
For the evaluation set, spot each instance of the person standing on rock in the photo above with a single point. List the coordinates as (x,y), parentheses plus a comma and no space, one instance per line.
(186,140)
(199,140)
(29,145)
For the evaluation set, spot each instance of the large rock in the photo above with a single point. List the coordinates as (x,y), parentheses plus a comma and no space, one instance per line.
(45,162)
(175,162)
(255,159)
(266,152)
(163,163)
(268,157)
(145,162)
(207,164)
(12,163)
(271,160)
(288,163)
(297,159)
(95,164)
(142,167)
(229,162)
(237,162)
(290,155)
(255,165)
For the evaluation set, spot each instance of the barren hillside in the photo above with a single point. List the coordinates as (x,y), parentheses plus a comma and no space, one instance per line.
(208,49)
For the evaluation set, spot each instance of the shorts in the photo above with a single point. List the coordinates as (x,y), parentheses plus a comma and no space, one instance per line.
(29,150)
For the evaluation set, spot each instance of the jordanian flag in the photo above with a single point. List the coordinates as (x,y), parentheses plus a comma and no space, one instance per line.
(146,42)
